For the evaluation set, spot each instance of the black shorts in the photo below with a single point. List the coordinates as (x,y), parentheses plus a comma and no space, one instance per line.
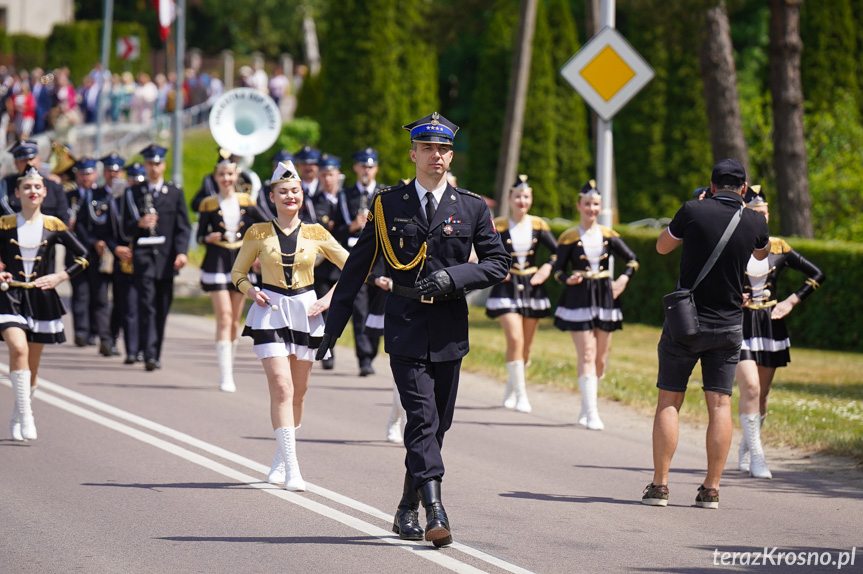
(718,347)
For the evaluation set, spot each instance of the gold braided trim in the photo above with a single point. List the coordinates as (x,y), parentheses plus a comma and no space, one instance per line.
(539,223)
(755,305)
(260,231)
(813,283)
(501,224)
(593,274)
(82,261)
(633,264)
(209,204)
(13,242)
(314,231)
(569,236)
(228,244)
(389,254)
(240,281)
(34,259)
(521,272)
(768,272)
(21,284)
(608,232)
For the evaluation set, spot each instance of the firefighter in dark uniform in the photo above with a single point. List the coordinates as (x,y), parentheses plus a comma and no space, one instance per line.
(425,230)
(78,195)
(24,153)
(113,168)
(159,221)
(93,228)
(325,203)
(354,202)
(125,292)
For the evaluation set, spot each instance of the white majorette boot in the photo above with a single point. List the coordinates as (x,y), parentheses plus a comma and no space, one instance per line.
(591,385)
(743,452)
(286,438)
(752,435)
(509,392)
(277,469)
(225,354)
(522,405)
(398,418)
(582,414)
(23,413)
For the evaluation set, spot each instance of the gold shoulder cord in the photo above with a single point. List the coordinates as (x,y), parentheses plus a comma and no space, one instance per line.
(389,255)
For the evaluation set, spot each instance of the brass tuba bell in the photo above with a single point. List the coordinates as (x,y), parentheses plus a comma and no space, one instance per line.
(61,159)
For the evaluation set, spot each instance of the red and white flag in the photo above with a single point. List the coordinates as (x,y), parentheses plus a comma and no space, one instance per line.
(167,10)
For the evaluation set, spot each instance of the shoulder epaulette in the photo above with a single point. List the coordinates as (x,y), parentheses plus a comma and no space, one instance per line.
(9,221)
(245,200)
(51,223)
(392,187)
(569,236)
(466,192)
(260,231)
(501,224)
(778,246)
(539,223)
(314,231)
(208,204)
(174,185)
(608,232)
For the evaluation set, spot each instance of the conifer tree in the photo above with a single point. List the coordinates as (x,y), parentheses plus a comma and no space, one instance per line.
(829,62)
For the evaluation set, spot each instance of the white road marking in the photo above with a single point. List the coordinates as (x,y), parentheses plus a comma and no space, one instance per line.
(419,549)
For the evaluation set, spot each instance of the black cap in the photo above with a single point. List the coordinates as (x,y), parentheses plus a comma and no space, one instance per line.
(728,172)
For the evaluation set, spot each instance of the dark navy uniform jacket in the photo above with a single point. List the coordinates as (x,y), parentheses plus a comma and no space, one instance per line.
(434,331)
(55,202)
(350,201)
(94,220)
(157,260)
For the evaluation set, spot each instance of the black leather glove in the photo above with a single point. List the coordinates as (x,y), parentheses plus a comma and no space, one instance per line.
(327,343)
(438,283)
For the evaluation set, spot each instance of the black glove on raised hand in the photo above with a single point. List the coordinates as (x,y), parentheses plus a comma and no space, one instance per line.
(327,343)
(438,283)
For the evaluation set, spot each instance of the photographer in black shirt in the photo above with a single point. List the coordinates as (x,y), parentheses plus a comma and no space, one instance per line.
(698,227)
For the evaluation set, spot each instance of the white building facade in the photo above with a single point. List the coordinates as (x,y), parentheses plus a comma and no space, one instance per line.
(34,17)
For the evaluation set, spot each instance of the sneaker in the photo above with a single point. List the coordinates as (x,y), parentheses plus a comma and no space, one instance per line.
(707,497)
(655,495)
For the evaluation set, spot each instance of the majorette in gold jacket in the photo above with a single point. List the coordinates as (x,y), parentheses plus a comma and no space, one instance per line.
(261,242)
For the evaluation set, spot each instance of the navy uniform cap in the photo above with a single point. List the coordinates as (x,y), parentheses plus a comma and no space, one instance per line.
(113,162)
(154,153)
(282,156)
(307,154)
(328,161)
(85,165)
(367,156)
(136,171)
(434,129)
(24,149)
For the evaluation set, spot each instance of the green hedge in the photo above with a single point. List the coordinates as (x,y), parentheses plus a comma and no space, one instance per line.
(28,51)
(827,319)
(78,46)
(295,134)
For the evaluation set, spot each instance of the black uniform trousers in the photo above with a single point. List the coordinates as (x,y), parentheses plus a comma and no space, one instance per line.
(428,391)
(154,302)
(365,343)
(80,304)
(99,307)
(125,312)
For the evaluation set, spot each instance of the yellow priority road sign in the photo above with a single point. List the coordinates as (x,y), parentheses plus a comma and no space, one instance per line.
(607,72)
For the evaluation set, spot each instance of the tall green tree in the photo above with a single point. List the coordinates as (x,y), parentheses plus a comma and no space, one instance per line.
(373,80)
(572,144)
(830,59)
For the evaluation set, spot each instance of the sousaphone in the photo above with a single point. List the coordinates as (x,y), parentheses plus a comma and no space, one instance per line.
(245,122)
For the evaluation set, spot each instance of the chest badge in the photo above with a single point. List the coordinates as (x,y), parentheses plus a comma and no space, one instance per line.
(405,196)
(447,229)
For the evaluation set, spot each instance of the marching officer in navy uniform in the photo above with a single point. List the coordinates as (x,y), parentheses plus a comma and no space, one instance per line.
(113,168)
(77,195)
(354,202)
(125,311)
(159,222)
(306,162)
(93,228)
(24,153)
(425,230)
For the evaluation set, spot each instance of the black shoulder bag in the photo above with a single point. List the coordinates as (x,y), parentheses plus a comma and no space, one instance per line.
(681,316)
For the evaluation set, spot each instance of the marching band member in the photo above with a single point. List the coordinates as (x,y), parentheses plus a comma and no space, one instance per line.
(285,322)
(589,307)
(520,301)
(30,309)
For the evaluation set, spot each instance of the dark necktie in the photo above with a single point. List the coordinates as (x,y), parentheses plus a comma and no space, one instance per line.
(429,206)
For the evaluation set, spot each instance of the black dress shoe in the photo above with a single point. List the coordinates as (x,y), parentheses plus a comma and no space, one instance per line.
(152,364)
(130,360)
(437,522)
(328,364)
(105,349)
(366,370)
(406,522)
(80,341)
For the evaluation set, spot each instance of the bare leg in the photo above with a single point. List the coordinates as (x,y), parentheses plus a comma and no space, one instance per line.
(280,382)
(665,433)
(33,359)
(718,435)
(300,372)
(514,333)
(765,376)
(224,314)
(750,387)
(237,301)
(529,327)
(603,348)
(586,346)
(19,349)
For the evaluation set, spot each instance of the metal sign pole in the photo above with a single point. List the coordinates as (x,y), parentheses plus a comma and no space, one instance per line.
(180,35)
(605,139)
(105,79)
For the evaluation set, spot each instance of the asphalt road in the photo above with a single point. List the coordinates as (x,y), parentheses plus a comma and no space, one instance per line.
(138,472)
